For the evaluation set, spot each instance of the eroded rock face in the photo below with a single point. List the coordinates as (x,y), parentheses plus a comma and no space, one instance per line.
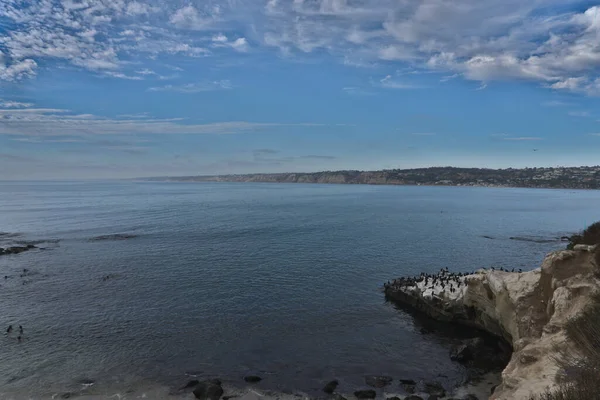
(529,310)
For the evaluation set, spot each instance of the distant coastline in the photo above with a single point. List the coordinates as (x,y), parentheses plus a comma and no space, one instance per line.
(540,178)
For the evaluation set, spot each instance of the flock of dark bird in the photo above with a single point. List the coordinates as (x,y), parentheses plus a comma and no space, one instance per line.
(10,329)
(442,281)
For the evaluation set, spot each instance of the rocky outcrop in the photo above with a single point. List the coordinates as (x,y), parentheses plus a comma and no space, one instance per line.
(15,249)
(529,310)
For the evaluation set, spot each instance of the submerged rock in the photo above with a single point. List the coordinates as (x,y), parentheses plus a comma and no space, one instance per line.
(252,379)
(209,390)
(378,381)
(413,397)
(331,386)
(116,236)
(365,394)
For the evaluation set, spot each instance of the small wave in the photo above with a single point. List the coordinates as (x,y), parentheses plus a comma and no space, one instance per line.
(115,236)
(535,239)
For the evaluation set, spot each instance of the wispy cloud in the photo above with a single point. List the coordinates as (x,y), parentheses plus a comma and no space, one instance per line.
(580,114)
(356,91)
(522,138)
(44,122)
(390,83)
(194,87)
(262,152)
(423,133)
(449,77)
(556,103)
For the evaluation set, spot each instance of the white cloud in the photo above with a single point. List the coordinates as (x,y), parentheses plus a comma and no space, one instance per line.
(194,87)
(552,42)
(189,17)
(239,44)
(137,8)
(14,104)
(17,70)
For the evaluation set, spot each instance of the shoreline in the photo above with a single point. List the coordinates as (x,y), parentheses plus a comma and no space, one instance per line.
(144,389)
(166,180)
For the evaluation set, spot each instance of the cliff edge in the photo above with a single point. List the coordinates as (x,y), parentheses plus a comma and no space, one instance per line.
(528,309)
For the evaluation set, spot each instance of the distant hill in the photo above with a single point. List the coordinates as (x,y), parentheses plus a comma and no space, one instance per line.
(560,177)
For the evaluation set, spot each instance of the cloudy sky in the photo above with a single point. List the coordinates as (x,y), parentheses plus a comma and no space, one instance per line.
(126,88)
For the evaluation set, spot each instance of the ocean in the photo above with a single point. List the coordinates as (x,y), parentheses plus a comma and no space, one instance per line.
(151,283)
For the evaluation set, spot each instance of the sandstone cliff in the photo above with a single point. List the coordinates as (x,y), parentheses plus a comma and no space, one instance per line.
(527,309)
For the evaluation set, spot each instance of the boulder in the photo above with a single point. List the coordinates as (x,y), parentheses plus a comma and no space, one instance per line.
(407,382)
(252,379)
(209,390)
(433,397)
(330,386)
(413,397)
(16,249)
(191,384)
(378,381)
(393,398)
(338,397)
(471,397)
(365,394)
(435,389)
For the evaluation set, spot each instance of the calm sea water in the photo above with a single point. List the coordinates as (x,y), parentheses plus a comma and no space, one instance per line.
(225,280)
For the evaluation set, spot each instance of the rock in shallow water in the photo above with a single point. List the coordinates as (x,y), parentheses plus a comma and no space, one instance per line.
(365,394)
(252,379)
(435,389)
(378,381)
(330,386)
(209,390)
(16,249)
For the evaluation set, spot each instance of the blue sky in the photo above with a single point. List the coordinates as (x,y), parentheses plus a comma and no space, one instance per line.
(127,88)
